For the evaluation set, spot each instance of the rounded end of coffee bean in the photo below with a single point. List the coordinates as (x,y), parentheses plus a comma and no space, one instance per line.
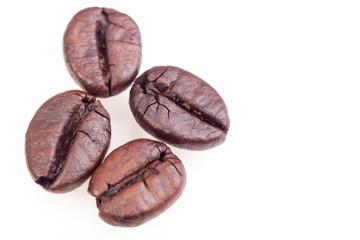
(66,140)
(179,108)
(137,182)
(102,50)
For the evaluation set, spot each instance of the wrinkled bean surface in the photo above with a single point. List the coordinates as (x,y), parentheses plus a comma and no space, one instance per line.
(179,108)
(102,50)
(137,182)
(66,140)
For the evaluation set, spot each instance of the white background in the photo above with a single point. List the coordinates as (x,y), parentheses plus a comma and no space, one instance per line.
(289,72)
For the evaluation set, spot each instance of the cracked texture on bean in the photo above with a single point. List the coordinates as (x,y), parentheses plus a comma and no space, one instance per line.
(66,140)
(179,108)
(102,50)
(137,182)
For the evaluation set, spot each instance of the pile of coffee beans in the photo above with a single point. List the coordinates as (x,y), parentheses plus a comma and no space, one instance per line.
(69,135)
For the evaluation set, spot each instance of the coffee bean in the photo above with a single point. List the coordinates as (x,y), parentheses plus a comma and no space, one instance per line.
(66,140)
(102,50)
(179,108)
(137,182)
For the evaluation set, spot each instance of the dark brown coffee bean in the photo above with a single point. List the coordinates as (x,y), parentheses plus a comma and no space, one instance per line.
(66,140)
(137,182)
(179,108)
(102,50)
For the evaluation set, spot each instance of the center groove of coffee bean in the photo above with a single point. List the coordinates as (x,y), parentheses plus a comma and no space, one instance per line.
(65,142)
(155,88)
(100,34)
(140,175)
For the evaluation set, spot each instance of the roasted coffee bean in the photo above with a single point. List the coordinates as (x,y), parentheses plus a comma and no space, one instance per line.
(102,50)
(137,182)
(179,108)
(66,140)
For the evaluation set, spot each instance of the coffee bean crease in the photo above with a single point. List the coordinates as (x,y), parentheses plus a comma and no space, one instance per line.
(102,50)
(100,34)
(140,175)
(56,140)
(136,182)
(179,108)
(152,88)
(64,145)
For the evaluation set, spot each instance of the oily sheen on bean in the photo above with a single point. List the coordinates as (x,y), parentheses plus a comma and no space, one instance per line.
(137,182)
(102,50)
(179,108)
(66,140)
